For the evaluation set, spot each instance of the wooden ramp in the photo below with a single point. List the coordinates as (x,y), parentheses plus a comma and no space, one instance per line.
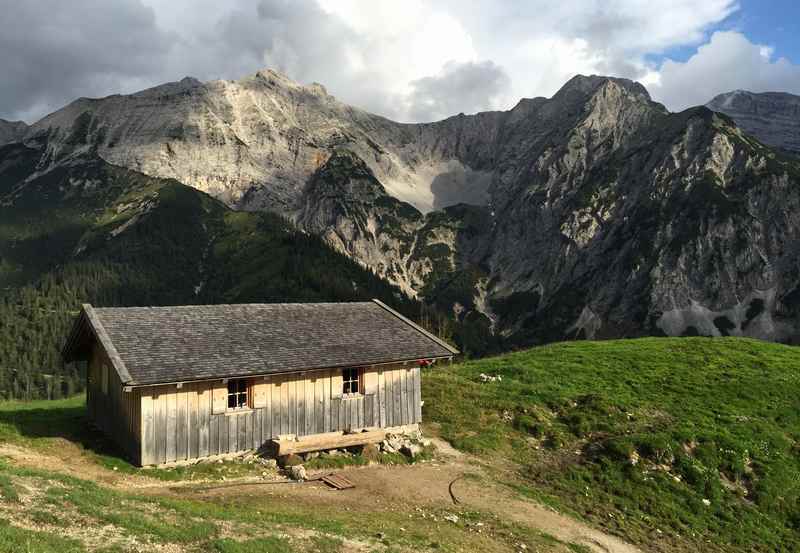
(337,481)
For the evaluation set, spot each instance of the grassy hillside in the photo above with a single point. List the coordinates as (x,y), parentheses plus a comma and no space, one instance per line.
(689,443)
(64,490)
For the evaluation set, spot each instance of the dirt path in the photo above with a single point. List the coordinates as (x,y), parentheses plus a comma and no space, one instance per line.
(428,485)
(395,488)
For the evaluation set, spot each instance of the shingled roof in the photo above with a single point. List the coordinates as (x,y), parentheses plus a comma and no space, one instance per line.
(152,345)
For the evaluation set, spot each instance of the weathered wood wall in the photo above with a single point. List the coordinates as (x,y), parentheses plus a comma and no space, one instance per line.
(187,423)
(115,412)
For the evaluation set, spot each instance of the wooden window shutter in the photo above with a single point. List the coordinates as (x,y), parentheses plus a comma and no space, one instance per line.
(219,398)
(259,393)
(336,383)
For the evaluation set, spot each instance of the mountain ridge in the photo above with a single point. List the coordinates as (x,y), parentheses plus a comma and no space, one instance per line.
(772,117)
(595,213)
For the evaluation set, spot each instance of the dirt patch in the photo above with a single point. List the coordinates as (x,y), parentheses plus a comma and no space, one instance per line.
(428,486)
(424,486)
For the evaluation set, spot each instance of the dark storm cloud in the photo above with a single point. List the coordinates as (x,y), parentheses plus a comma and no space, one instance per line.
(460,87)
(54,51)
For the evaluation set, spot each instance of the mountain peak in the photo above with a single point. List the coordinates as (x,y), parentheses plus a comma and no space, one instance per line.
(589,84)
(12,131)
(772,117)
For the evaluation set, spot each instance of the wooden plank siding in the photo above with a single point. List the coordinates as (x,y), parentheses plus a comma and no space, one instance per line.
(181,423)
(116,412)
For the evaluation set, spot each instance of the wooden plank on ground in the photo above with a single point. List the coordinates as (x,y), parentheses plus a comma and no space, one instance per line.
(337,481)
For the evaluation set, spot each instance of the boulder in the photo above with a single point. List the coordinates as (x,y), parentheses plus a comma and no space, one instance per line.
(290,460)
(395,442)
(298,472)
(411,450)
(271,463)
(370,452)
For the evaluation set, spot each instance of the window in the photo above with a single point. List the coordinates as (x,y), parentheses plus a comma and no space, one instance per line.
(237,393)
(351,381)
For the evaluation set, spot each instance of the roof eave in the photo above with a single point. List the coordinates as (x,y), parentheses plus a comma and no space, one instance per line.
(135,384)
(418,328)
(105,341)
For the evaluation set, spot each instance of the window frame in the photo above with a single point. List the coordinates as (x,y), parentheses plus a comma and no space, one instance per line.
(356,376)
(243,388)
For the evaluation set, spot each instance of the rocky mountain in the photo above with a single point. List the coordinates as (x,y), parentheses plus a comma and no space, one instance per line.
(595,213)
(11,131)
(89,231)
(772,117)
(252,142)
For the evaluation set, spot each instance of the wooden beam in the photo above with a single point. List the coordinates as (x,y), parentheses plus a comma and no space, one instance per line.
(332,440)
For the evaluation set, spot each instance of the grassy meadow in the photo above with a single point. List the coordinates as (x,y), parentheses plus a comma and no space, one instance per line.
(673,443)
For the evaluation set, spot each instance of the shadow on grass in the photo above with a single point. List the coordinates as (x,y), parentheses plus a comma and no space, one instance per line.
(32,423)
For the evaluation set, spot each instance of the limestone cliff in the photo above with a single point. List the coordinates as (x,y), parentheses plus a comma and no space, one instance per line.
(594,213)
(11,131)
(772,117)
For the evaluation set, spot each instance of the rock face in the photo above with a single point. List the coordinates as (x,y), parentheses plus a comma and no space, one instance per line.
(11,131)
(772,117)
(252,142)
(592,214)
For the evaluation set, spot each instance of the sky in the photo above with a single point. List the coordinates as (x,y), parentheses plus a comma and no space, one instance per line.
(409,60)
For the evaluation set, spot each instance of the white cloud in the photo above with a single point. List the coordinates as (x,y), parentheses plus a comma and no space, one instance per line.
(405,59)
(729,61)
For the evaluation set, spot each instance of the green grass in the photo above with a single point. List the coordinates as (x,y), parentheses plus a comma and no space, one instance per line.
(18,540)
(258,545)
(197,519)
(695,437)
(259,522)
(349,460)
(43,424)
(675,444)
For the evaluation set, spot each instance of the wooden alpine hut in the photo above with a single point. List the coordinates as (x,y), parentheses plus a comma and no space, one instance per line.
(180,383)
